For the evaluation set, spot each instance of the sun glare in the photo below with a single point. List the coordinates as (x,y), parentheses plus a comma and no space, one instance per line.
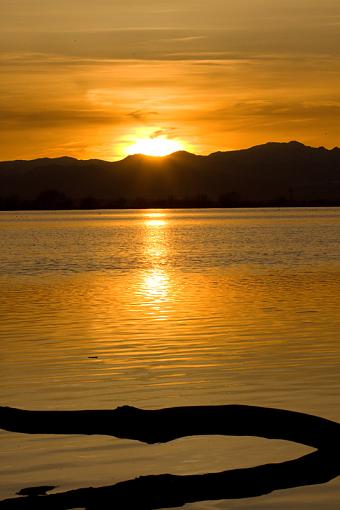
(159,146)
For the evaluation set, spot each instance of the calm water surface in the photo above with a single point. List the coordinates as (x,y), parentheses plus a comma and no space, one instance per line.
(163,308)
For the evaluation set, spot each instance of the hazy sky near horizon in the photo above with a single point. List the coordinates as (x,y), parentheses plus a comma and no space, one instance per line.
(87,79)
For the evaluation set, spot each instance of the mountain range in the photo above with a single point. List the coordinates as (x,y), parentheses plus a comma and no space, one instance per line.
(270,174)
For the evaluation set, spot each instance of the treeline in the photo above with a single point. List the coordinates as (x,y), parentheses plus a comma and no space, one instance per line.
(57,200)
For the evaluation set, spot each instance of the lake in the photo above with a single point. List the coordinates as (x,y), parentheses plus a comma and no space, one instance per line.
(162,308)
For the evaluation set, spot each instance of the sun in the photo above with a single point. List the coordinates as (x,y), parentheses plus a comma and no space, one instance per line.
(157,146)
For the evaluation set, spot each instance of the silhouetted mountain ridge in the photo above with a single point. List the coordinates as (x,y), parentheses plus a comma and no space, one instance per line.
(270,173)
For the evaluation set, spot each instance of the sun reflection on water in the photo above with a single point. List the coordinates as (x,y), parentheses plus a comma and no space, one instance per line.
(155,223)
(155,219)
(155,281)
(155,284)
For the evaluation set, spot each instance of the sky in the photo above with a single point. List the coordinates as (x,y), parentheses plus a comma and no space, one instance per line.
(91,79)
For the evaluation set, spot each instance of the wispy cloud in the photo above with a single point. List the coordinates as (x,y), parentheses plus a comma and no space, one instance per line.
(185,44)
(40,119)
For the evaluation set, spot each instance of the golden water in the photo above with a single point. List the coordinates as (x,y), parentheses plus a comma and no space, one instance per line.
(162,308)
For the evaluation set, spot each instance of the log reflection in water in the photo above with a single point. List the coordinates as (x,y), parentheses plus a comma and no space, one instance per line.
(164,491)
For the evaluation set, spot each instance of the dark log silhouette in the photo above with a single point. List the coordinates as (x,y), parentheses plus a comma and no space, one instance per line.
(164,491)
(41,490)
(156,426)
(162,425)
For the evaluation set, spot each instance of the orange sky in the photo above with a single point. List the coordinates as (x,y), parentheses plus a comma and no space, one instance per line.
(89,79)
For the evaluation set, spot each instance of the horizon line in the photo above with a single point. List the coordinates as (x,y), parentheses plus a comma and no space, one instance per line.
(168,155)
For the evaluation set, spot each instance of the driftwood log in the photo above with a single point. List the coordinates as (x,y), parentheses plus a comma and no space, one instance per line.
(163,425)
(158,426)
(165,491)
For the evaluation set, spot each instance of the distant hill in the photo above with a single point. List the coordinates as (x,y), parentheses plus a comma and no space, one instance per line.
(270,174)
